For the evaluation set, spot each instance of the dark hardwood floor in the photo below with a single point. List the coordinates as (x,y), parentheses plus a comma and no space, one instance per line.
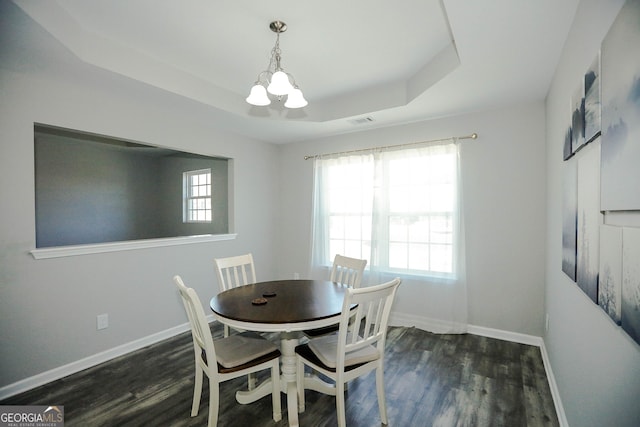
(431,380)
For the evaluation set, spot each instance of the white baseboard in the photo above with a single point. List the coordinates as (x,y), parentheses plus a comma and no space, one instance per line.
(425,323)
(88,362)
(438,326)
(505,335)
(555,392)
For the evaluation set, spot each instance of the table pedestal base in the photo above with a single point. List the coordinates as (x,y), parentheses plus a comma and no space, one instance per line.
(288,343)
(312,382)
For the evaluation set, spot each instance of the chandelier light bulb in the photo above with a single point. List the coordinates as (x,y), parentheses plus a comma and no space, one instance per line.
(258,96)
(295,99)
(279,85)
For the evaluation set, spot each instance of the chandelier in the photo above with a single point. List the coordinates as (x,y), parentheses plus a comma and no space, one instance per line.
(274,80)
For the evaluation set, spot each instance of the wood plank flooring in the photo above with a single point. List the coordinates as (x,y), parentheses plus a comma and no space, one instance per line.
(431,380)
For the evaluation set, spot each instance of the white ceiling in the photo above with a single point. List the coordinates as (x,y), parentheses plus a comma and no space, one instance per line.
(395,62)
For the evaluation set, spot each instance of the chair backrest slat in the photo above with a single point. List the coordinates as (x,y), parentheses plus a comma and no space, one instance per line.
(235,271)
(348,271)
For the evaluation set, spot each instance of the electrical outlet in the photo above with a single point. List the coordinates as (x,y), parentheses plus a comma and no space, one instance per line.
(296,276)
(102,321)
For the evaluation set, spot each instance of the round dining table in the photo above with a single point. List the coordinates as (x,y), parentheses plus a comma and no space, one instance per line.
(287,307)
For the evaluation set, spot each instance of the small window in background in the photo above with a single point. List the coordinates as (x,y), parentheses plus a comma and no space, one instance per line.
(197,196)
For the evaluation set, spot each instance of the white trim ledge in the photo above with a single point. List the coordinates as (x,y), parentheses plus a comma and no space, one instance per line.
(63,251)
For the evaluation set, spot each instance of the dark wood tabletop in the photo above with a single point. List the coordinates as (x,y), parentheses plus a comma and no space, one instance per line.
(295,301)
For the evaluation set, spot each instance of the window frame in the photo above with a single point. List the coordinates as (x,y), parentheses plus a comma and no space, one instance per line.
(385,214)
(188,196)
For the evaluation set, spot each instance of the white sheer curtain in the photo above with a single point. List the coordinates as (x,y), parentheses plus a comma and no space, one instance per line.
(401,209)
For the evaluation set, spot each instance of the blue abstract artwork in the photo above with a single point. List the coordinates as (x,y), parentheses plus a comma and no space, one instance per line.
(620,80)
(592,108)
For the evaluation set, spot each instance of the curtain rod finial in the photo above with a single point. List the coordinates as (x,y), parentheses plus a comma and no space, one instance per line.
(474,136)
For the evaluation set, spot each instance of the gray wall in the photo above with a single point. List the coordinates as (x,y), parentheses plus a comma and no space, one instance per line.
(596,365)
(84,193)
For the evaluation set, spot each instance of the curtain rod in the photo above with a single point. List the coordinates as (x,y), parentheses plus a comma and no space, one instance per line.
(455,138)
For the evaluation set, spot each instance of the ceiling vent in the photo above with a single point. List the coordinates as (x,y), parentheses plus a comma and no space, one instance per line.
(361,120)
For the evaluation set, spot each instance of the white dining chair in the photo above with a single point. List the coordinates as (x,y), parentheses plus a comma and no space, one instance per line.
(227,358)
(234,271)
(346,271)
(347,354)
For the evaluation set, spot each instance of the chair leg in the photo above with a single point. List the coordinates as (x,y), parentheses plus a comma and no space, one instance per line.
(275,392)
(197,391)
(340,405)
(252,381)
(214,403)
(300,384)
(382,403)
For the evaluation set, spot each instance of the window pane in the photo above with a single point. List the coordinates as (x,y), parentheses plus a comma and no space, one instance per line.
(353,227)
(419,230)
(335,247)
(420,172)
(337,200)
(366,228)
(352,202)
(442,167)
(353,248)
(441,229)
(398,255)
(442,258)
(366,199)
(418,199)
(399,172)
(336,227)
(399,199)
(398,230)
(442,198)
(419,257)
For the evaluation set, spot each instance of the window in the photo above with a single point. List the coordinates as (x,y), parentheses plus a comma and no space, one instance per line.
(397,209)
(197,196)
